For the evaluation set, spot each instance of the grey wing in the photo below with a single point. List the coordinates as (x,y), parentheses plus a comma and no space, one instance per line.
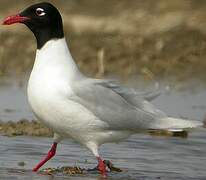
(133,96)
(117,110)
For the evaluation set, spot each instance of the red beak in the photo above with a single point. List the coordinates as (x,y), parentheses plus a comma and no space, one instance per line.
(14,19)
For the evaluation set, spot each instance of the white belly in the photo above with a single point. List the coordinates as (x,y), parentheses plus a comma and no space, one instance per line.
(68,118)
(59,113)
(49,94)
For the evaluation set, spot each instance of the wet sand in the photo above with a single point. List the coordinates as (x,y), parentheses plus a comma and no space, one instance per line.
(24,127)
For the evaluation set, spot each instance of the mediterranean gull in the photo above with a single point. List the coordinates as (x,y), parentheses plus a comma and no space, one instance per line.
(91,111)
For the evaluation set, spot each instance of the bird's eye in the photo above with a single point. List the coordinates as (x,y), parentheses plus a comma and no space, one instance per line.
(40,12)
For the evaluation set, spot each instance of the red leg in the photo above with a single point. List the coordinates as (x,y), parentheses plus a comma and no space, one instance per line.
(101,167)
(50,154)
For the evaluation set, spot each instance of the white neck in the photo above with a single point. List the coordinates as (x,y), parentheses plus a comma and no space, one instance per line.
(56,58)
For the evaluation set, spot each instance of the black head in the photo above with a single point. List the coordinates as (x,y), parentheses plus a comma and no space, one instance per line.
(43,19)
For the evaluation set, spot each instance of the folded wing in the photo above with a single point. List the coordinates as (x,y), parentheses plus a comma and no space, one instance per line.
(120,107)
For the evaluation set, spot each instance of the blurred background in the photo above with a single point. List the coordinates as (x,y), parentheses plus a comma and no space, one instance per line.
(139,42)
(156,39)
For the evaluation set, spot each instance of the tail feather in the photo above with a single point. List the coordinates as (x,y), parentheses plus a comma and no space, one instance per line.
(174,124)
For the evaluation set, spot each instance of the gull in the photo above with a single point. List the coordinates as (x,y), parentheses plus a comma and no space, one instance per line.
(91,111)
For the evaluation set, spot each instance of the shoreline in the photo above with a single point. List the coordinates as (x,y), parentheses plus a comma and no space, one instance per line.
(24,128)
(34,128)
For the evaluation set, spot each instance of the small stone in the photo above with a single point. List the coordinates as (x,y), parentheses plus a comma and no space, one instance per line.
(21,163)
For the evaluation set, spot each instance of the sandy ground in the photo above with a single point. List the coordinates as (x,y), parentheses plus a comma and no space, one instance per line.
(24,127)
(153,39)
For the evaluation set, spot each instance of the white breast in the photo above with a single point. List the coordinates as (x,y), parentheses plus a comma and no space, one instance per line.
(49,91)
(52,73)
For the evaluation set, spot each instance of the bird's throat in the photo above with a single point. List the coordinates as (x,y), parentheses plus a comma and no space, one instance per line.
(43,36)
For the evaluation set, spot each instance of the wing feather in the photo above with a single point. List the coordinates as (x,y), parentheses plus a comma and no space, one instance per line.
(112,105)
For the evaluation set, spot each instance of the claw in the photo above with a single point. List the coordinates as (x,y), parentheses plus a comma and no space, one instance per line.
(111,166)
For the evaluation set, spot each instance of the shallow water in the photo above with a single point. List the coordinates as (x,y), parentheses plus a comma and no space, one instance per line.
(13,101)
(142,157)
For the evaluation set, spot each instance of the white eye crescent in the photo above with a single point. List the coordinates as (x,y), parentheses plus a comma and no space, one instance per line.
(40,12)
